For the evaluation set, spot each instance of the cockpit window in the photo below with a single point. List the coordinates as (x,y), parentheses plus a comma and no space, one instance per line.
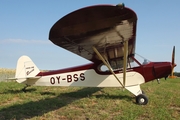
(138,60)
(103,68)
(145,62)
(117,64)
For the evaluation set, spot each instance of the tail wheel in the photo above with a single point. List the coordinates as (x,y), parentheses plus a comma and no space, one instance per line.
(141,99)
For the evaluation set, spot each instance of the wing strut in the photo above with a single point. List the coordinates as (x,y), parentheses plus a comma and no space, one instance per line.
(109,67)
(125,61)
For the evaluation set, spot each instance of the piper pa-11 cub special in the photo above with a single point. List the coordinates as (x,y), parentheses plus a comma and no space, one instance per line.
(105,35)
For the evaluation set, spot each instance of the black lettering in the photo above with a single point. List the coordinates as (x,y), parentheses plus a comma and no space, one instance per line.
(82,77)
(28,72)
(58,79)
(69,78)
(52,80)
(75,77)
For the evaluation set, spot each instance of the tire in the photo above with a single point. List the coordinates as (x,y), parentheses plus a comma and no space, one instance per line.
(141,99)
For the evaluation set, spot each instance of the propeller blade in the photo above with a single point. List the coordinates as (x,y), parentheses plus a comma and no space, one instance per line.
(173,56)
(173,63)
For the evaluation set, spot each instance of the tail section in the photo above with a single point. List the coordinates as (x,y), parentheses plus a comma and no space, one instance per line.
(25,69)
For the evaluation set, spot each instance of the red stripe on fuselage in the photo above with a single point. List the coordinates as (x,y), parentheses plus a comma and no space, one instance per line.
(72,69)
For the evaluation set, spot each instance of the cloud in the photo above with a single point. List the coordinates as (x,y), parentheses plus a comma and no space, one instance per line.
(22,41)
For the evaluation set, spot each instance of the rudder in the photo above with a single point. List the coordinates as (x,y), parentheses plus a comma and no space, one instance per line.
(26,68)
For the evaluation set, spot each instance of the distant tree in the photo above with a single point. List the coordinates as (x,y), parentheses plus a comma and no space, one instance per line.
(177,74)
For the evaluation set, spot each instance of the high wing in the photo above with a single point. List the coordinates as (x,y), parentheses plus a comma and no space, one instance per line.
(104,27)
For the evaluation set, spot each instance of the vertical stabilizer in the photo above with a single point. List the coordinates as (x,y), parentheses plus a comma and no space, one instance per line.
(26,68)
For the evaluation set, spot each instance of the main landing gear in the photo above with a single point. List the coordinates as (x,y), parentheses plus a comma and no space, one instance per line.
(141,99)
(24,89)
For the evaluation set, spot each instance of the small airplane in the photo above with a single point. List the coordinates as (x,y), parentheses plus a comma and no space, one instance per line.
(106,36)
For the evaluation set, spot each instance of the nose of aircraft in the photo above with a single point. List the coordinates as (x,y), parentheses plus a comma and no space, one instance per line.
(164,69)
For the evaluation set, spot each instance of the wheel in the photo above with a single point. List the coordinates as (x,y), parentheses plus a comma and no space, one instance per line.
(141,99)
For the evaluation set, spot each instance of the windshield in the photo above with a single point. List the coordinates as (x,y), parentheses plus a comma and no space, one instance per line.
(117,64)
(138,60)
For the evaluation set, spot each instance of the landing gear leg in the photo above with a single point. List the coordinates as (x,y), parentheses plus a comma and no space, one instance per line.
(24,89)
(158,80)
(141,98)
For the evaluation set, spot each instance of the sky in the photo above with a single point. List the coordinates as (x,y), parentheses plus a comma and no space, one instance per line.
(25,25)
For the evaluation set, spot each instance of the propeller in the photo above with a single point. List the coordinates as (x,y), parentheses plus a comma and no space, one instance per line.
(173,57)
(173,62)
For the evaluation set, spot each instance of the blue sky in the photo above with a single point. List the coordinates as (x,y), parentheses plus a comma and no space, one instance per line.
(25,25)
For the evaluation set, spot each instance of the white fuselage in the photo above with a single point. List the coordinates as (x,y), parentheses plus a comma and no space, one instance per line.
(87,78)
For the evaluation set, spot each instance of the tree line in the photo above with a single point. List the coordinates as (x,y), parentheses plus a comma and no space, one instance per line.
(177,74)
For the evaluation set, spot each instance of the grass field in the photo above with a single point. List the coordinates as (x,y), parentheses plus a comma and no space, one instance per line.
(51,103)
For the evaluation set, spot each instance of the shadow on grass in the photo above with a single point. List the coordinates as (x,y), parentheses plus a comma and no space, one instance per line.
(124,97)
(38,108)
(19,91)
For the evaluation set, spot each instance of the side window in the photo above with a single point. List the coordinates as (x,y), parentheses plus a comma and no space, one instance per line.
(103,68)
(115,65)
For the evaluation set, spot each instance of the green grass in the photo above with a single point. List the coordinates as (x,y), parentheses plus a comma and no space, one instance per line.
(50,103)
